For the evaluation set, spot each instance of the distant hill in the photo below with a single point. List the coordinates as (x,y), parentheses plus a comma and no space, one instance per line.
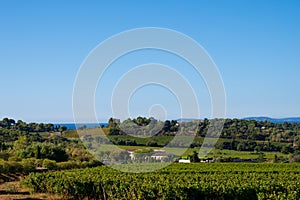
(274,120)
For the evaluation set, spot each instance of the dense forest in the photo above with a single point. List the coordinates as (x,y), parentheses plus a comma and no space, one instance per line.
(233,128)
(237,134)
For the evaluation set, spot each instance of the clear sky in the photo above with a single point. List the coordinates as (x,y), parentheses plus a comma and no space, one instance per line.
(254,43)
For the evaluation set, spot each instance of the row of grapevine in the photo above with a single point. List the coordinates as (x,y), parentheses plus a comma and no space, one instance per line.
(178,181)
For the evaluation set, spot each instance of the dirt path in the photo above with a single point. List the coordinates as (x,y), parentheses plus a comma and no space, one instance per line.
(13,190)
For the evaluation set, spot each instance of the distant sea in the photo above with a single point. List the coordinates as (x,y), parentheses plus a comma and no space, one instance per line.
(72,126)
(274,120)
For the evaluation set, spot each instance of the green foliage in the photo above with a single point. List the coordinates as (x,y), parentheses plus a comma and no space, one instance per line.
(31,127)
(250,131)
(29,165)
(141,121)
(49,164)
(257,130)
(4,155)
(178,181)
(287,149)
(142,126)
(21,143)
(41,151)
(67,165)
(113,125)
(52,152)
(10,167)
(261,157)
(194,157)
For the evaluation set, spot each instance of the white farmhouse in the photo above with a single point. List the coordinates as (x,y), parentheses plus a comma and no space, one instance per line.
(184,161)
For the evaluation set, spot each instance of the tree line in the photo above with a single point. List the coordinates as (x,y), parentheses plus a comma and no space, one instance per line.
(20,125)
(232,129)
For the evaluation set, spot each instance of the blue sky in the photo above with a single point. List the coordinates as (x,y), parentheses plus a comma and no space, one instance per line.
(255,44)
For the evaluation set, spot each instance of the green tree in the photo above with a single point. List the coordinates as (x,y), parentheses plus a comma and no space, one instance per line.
(194,157)
(37,153)
(21,143)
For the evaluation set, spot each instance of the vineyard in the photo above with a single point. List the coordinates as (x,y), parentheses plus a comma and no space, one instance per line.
(177,181)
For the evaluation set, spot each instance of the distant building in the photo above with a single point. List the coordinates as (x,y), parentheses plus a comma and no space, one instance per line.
(208,160)
(184,161)
(156,154)
(159,156)
(131,155)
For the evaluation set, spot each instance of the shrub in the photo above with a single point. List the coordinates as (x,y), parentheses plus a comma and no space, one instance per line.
(49,164)
(66,165)
(10,167)
(4,155)
(28,165)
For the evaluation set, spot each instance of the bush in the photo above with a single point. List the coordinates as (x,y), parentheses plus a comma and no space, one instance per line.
(1,166)
(38,162)
(67,165)
(29,165)
(49,164)
(5,167)
(15,167)
(14,158)
(94,163)
(4,155)
(10,167)
(25,166)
